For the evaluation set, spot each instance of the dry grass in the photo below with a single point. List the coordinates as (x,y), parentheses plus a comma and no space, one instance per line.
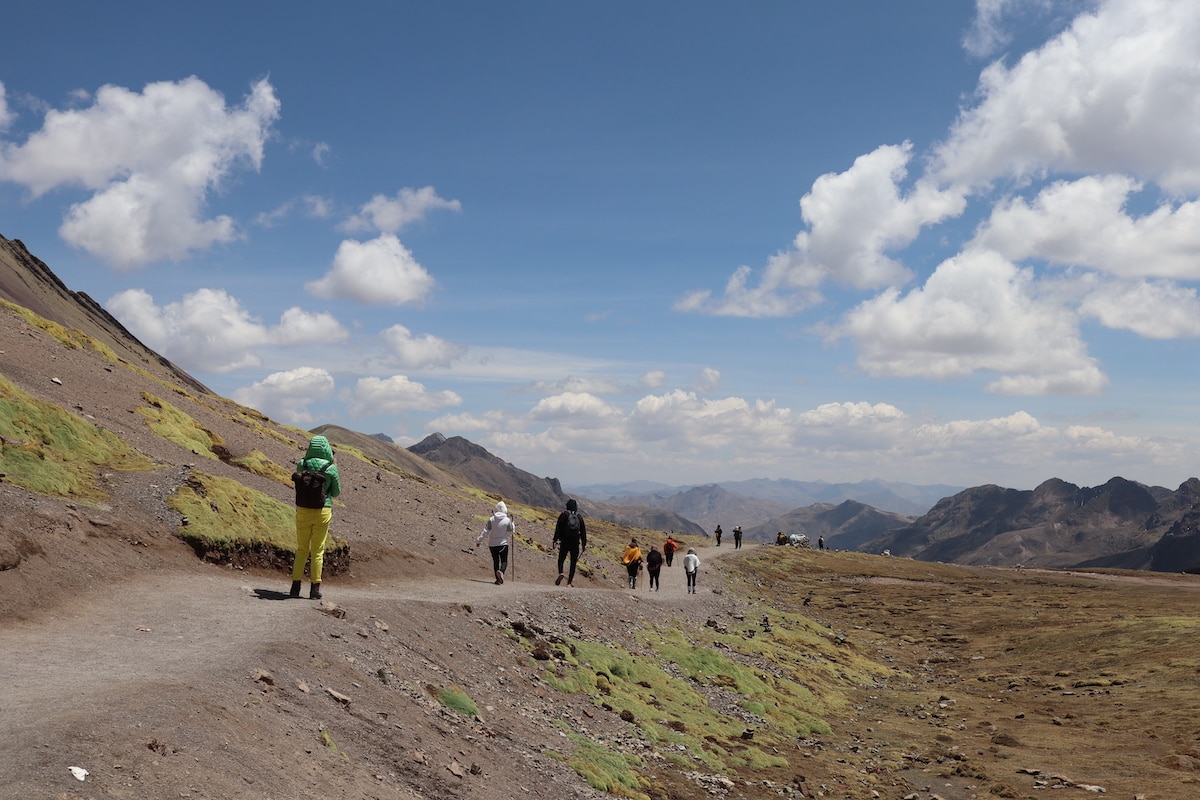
(1004,673)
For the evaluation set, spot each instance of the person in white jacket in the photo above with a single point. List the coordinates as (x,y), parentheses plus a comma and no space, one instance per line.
(497,529)
(691,565)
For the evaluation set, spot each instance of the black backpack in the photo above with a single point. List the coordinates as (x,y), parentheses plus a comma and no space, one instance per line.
(573,522)
(310,487)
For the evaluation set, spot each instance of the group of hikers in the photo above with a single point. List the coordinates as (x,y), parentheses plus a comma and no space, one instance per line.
(798,540)
(317,482)
(737,536)
(632,559)
(570,541)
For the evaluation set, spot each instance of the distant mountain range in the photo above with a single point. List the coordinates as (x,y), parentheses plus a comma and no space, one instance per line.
(1121,524)
(900,498)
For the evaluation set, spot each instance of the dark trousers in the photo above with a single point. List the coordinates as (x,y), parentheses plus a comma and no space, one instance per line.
(669,555)
(499,558)
(565,550)
(653,573)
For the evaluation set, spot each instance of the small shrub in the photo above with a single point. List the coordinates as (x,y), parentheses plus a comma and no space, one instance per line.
(457,699)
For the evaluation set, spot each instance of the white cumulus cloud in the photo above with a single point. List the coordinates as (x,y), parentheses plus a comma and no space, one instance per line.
(149,160)
(374,395)
(6,114)
(855,219)
(1153,309)
(413,352)
(1084,223)
(209,330)
(977,312)
(578,408)
(709,380)
(1117,92)
(654,378)
(378,271)
(390,214)
(286,395)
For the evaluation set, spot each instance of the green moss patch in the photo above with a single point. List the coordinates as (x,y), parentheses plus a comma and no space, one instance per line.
(175,426)
(604,769)
(455,698)
(47,450)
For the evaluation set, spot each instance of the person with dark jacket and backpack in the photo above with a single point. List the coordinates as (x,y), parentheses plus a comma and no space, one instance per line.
(570,537)
(654,562)
(317,483)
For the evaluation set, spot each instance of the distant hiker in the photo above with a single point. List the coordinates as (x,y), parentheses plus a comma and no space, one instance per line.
(654,562)
(632,559)
(780,538)
(737,537)
(691,565)
(317,483)
(669,547)
(497,529)
(570,536)
(718,533)
(820,542)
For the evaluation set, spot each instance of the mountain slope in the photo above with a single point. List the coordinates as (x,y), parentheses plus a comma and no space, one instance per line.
(27,282)
(490,472)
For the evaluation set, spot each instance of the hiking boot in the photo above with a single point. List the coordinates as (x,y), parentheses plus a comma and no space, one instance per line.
(295,590)
(558,581)
(314,592)
(499,577)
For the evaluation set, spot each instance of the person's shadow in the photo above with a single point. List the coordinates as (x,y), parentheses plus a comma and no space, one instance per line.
(271,594)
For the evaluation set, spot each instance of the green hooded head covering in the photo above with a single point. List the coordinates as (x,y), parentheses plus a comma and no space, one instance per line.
(318,447)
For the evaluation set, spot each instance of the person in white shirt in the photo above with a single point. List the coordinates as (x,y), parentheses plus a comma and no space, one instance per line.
(497,529)
(691,565)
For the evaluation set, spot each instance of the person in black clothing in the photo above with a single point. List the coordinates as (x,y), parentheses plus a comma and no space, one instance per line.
(654,562)
(570,537)
(737,537)
(718,533)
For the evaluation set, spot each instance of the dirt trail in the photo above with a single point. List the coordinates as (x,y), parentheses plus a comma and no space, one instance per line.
(178,626)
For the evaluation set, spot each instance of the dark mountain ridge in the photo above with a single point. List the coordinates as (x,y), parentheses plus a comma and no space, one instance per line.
(26,281)
(1058,524)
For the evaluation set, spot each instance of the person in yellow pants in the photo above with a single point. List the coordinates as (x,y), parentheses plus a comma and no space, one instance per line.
(317,483)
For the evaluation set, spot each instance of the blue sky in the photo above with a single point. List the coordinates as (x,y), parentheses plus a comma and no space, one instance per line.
(679,241)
